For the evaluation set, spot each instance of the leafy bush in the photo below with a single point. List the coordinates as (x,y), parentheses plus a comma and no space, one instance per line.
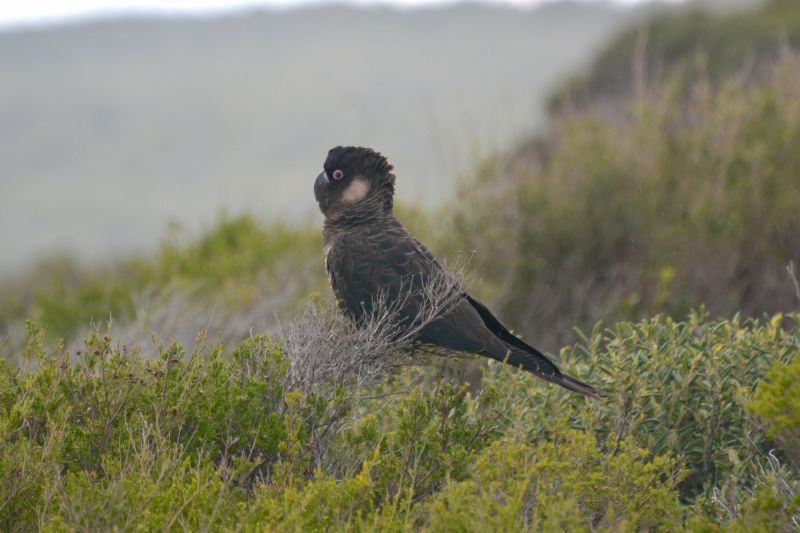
(777,404)
(772,503)
(235,254)
(674,387)
(116,437)
(565,484)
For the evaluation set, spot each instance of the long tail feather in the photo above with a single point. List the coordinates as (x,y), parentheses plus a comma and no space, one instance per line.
(516,352)
(576,385)
(539,365)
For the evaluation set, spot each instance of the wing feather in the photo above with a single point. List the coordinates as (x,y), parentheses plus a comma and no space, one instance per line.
(363,265)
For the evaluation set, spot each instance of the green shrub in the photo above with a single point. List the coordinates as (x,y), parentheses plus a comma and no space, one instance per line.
(115,437)
(154,486)
(776,402)
(237,253)
(770,508)
(675,388)
(67,296)
(771,502)
(238,264)
(568,483)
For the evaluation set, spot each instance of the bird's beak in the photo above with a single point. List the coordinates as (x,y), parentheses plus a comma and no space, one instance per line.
(320,186)
(321,181)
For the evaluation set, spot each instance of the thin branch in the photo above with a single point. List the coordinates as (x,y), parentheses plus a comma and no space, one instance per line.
(790,270)
(327,349)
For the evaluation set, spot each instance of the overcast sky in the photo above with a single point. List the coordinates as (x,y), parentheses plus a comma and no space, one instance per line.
(16,12)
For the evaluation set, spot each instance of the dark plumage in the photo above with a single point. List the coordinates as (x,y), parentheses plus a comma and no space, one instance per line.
(368,251)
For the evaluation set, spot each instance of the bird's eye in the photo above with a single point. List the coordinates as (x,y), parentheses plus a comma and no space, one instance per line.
(337,174)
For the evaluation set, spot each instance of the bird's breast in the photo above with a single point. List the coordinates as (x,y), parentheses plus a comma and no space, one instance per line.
(327,251)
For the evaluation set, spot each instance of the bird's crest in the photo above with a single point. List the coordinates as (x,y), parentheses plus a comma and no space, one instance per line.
(370,162)
(358,162)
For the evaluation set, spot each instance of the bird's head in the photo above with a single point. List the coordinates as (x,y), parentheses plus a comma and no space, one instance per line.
(354,181)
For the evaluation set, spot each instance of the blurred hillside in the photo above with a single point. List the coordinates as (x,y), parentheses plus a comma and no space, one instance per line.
(685,195)
(691,43)
(111,128)
(665,189)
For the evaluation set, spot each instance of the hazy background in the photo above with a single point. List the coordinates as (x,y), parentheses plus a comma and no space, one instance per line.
(622,181)
(114,121)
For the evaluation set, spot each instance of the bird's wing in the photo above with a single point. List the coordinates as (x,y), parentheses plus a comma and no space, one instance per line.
(391,264)
(500,331)
(472,327)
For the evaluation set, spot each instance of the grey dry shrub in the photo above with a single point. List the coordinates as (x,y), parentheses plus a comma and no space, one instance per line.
(326,348)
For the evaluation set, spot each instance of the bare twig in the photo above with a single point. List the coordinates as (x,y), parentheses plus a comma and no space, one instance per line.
(790,270)
(325,348)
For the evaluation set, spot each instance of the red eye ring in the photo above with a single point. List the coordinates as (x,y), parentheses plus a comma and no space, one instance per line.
(337,174)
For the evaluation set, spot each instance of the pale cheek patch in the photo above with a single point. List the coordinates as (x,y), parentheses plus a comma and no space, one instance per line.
(356,191)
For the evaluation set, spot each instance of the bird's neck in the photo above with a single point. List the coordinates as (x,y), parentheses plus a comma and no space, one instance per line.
(358,217)
(372,210)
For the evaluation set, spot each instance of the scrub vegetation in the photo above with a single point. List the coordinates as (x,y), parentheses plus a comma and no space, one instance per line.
(212,385)
(698,430)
